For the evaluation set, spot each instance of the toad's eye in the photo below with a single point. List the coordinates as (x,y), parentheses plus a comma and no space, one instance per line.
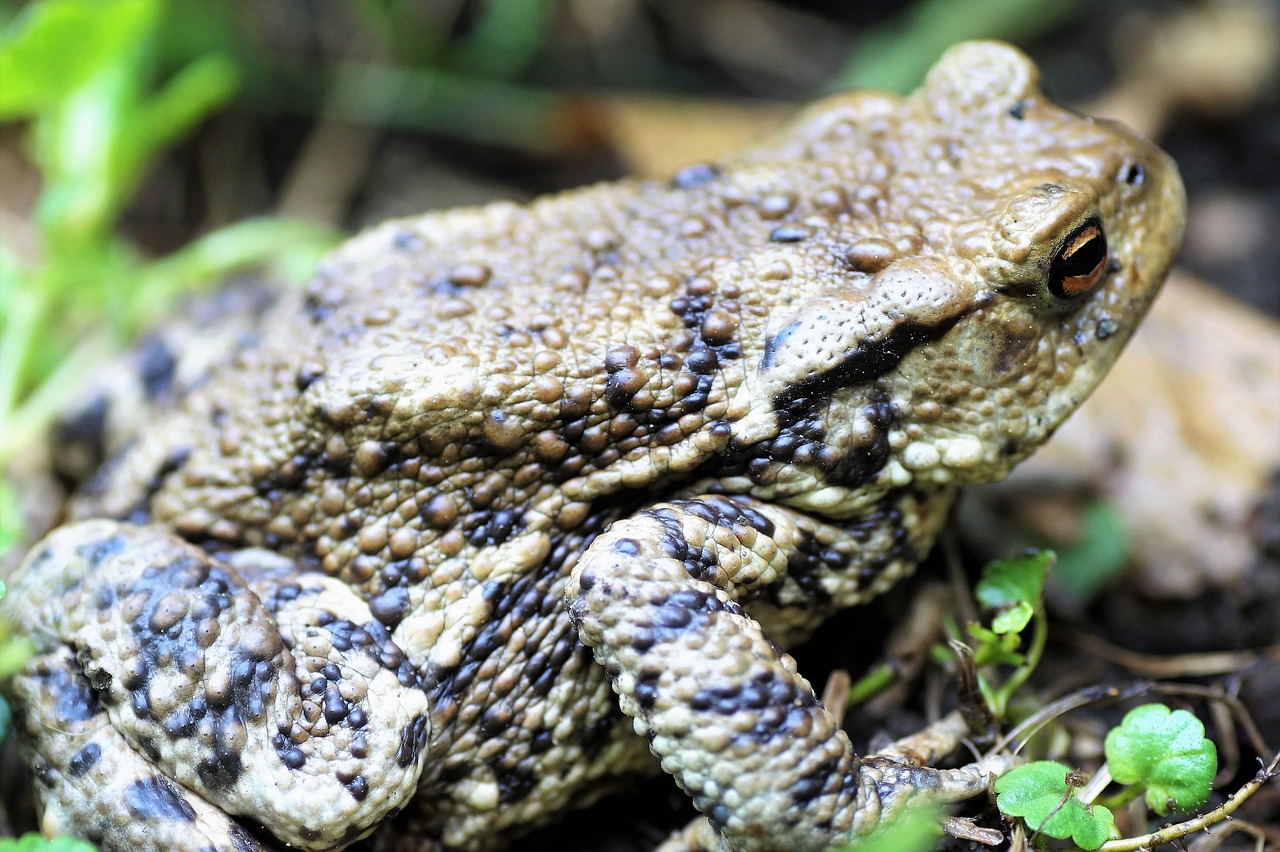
(1080,262)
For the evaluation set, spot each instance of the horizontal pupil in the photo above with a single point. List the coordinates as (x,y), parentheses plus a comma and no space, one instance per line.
(1079,263)
(1082,257)
(1080,242)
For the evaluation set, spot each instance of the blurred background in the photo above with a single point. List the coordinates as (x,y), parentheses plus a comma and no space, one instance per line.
(150,147)
(350,111)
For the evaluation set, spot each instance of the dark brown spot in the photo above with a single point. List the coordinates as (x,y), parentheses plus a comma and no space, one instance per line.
(624,383)
(390,606)
(156,365)
(158,798)
(439,512)
(84,760)
(411,739)
(372,458)
(514,783)
(718,327)
(290,755)
(308,374)
(356,785)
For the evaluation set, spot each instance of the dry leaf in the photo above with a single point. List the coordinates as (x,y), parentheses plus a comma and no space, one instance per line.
(657,136)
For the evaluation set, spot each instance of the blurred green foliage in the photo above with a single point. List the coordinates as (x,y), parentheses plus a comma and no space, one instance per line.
(916,829)
(79,71)
(81,75)
(896,55)
(1096,560)
(36,843)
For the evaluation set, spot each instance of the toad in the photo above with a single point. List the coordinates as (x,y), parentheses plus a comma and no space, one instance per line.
(514,501)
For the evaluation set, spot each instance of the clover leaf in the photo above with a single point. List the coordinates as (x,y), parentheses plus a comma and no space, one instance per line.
(1166,752)
(1042,794)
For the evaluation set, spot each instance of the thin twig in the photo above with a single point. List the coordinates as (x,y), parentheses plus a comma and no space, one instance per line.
(1170,833)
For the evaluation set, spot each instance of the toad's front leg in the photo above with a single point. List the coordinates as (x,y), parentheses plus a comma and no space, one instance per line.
(658,598)
(262,693)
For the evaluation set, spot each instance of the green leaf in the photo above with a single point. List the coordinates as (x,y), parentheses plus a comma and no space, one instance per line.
(82,69)
(10,522)
(995,649)
(189,96)
(14,653)
(1165,751)
(292,247)
(1012,588)
(916,829)
(1042,794)
(1097,559)
(57,46)
(35,843)
(32,842)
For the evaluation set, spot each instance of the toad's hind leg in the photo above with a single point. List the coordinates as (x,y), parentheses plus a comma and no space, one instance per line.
(657,597)
(270,695)
(89,783)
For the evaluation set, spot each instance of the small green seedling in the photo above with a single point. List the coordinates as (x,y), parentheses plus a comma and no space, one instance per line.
(1013,591)
(1012,588)
(1157,751)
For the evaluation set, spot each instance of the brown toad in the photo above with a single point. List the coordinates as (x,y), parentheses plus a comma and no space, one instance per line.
(512,497)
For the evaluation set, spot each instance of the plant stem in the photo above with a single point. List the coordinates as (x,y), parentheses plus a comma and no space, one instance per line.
(871,683)
(26,309)
(1123,798)
(1039,638)
(1096,784)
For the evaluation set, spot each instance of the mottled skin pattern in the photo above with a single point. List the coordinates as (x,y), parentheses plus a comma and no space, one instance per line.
(513,499)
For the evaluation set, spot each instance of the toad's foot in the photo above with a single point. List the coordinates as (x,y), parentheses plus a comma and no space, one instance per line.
(895,781)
